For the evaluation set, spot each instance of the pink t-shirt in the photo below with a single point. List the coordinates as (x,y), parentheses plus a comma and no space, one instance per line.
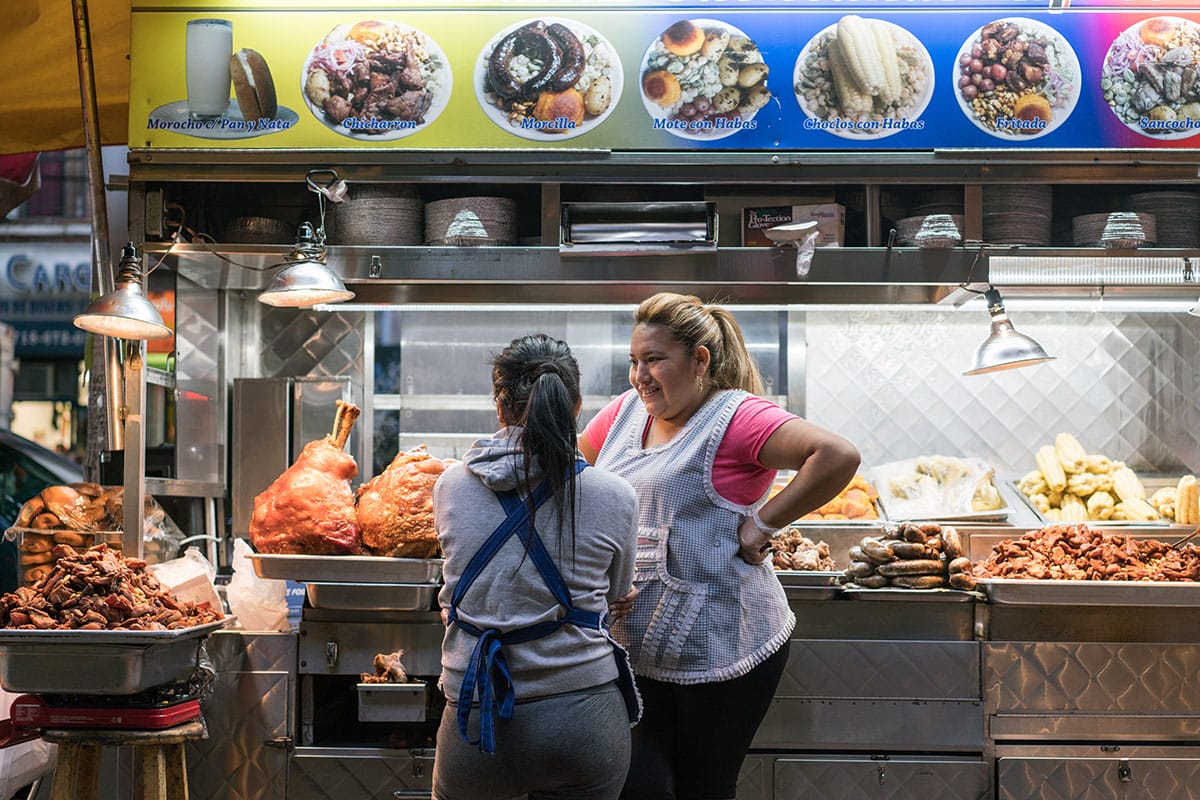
(738,475)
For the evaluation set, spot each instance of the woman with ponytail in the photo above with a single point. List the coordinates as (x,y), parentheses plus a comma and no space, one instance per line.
(708,633)
(539,560)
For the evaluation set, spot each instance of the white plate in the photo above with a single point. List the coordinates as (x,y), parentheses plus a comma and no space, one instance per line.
(903,38)
(1109,72)
(500,117)
(227,126)
(1067,60)
(441,93)
(658,112)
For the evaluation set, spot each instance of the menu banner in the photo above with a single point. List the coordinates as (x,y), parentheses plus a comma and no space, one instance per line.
(915,75)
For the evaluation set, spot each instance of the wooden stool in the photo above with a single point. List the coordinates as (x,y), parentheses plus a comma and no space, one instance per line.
(164,766)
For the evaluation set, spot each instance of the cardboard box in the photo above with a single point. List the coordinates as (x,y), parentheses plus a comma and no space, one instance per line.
(830,217)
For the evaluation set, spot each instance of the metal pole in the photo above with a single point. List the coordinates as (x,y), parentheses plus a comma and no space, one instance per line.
(133,539)
(101,262)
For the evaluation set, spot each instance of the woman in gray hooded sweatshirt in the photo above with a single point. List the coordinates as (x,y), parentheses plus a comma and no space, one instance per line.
(539,697)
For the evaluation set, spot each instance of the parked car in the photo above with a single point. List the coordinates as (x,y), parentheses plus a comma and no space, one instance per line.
(25,469)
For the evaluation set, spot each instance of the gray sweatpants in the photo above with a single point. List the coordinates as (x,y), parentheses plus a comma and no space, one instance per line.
(573,745)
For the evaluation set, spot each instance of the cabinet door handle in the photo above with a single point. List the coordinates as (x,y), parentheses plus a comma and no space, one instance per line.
(1125,772)
(331,654)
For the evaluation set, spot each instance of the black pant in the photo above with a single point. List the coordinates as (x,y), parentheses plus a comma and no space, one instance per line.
(692,740)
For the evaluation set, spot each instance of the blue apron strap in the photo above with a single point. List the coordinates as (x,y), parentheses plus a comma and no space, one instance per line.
(487,673)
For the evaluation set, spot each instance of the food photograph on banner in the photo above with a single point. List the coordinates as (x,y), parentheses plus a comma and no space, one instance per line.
(653,79)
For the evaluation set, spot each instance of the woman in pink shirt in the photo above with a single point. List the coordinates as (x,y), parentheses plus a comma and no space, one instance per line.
(708,631)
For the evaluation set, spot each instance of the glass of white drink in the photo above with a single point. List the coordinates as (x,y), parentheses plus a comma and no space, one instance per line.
(209,46)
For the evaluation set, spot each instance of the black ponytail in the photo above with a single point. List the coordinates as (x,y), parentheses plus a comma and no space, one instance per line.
(536,383)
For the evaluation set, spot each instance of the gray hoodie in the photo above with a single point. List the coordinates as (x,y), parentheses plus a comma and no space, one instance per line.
(510,593)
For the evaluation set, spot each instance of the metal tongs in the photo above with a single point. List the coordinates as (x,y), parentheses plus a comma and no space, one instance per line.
(1187,538)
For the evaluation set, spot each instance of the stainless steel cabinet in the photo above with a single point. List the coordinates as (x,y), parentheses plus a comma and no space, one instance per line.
(1093,772)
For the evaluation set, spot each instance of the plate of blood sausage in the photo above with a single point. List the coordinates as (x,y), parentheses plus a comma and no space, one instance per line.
(548,79)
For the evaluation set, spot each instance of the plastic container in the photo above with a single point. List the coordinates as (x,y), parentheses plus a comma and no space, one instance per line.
(36,547)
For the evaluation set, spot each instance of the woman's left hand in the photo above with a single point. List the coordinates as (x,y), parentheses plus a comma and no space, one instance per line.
(755,545)
(621,608)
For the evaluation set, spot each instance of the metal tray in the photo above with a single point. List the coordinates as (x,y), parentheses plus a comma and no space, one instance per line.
(795,578)
(371,596)
(996,515)
(392,702)
(347,569)
(912,595)
(1152,484)
(98,662)
(1003,591)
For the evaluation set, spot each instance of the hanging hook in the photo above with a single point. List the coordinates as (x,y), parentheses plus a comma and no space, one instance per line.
(891,242)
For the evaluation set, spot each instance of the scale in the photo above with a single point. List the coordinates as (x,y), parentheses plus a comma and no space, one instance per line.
(153,709)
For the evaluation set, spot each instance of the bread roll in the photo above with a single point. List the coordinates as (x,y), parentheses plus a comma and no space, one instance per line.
(253,85)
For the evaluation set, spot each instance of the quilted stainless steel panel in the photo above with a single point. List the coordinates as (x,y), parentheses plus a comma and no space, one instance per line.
(1115,776)
(755,780)
(881,670)
(199,389)
(869,724)
(327,773)
(1091,677)
(891,382)
(251,704)
(845,778)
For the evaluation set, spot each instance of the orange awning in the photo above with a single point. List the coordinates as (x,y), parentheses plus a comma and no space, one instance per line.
(40,105)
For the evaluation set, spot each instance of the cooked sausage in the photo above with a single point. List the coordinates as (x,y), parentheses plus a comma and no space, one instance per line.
(859,569)
(919,581)
(532,40)
(573,62)
(911,550)
(873,582)
(960,564)
(951,543)
(915,566)
(876,550)
(962,580)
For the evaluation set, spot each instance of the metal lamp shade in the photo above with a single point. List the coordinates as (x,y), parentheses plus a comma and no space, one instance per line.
(303,284)
(125,313)
(1005,347)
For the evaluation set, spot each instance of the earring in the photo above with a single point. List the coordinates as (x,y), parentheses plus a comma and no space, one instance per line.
(700,383)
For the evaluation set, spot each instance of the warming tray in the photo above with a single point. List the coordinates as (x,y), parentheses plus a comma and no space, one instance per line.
(347,569)
(98,662)
(792,578)
(391,702)
(1004,591)
(371,596)
(911,595)
(1152,484)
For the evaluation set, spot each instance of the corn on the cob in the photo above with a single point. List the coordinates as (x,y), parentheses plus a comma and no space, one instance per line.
(1163,501)
(858,47)
(1073,509)
(1040,502)
(1053,514)
(1032,483)
(1187,500)
(885,48)
(1127,486)
(1086,483)
(1052,470)
(1135,509)
(1070,453)
(1100,505)
(851,99)
(1100,464)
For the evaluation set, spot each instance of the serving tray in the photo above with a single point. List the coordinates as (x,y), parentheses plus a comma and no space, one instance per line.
(371,596)
(852,592)
(347,569)
(1004,591)
(794,578)
(99,662)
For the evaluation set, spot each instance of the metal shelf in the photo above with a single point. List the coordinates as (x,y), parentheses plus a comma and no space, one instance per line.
(543,275)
